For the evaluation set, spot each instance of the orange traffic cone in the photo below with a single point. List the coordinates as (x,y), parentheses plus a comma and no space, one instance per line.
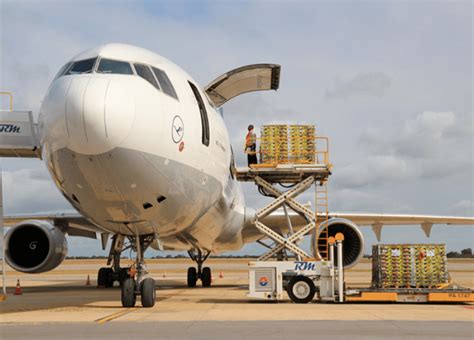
(221,275)
(18,288)
(88,282)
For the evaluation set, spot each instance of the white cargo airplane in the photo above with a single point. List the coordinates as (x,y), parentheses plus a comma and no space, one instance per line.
(142,153)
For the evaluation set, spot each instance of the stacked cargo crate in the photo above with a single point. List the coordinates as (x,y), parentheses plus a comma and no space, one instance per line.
(283,144)
(274,144)
(302,144)
(409,265)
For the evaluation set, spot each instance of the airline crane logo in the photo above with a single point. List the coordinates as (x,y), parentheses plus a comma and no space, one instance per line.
(263,281)
(177,129)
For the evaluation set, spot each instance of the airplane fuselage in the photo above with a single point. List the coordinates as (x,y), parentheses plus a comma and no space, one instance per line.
(135,159)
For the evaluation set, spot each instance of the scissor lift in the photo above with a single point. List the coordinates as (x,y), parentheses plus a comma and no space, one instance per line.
(298,161)
(18,138)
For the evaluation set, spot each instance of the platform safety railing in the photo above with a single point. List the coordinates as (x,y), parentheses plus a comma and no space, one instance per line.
(274,151)
(10,95)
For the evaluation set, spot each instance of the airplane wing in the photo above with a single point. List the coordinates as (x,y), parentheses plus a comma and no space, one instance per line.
(377,221)
(278,222)
(257,77)
(71,223)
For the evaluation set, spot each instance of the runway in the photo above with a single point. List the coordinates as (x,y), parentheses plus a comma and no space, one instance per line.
(246,329)
(59,303)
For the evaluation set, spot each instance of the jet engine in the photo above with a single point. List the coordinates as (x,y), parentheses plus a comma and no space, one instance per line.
(35,247)
(352,246)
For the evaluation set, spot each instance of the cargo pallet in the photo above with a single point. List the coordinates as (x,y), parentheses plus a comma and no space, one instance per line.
(419,295)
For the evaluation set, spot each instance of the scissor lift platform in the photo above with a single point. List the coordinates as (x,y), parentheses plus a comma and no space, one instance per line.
(295,158)
(285,173)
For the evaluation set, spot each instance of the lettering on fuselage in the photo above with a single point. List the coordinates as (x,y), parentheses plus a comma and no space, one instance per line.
(9,128)
(304,265)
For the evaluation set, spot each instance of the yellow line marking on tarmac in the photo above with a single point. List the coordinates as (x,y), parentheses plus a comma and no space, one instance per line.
(115,315)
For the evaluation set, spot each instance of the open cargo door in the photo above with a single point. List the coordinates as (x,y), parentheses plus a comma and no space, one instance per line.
(257,77)
(18,136)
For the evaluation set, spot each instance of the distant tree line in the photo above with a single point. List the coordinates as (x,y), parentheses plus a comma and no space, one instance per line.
(168,256)
(465,253)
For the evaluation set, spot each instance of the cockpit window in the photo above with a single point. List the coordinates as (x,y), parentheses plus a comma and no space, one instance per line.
(165,82)
(114,66)
(82,66)
(145,72)
(62,70)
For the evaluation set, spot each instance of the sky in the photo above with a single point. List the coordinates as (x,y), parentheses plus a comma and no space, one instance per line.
(389,82)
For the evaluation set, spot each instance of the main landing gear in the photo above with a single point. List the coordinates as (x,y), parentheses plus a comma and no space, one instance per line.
(203,274)
(136,284)
(108,275)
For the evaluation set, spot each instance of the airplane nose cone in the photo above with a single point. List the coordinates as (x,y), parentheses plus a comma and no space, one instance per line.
(99,114)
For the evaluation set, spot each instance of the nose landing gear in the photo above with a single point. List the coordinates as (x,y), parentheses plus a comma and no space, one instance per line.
(203,274)
(137,284)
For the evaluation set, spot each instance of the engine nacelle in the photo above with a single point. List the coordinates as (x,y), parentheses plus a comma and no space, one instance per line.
(35,247)
(352,246)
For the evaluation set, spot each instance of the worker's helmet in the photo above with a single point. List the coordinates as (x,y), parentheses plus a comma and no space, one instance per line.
(250,127)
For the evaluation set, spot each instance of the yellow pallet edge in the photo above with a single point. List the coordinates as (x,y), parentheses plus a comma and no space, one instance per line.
(394,297)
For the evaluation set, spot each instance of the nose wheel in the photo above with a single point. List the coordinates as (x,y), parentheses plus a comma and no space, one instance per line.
(136,284)
(199,273)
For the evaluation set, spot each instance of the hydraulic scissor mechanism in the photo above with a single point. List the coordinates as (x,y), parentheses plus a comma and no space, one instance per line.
(199,273)
(286,199)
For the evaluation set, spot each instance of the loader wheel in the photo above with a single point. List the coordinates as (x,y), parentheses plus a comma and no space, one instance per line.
(301,289)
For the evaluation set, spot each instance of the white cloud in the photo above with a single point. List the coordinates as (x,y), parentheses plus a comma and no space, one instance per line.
(373,170)
(374,84)
(31,190)
(463,207)
(434,144)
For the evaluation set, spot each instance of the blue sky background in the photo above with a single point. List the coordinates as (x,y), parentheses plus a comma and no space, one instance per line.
(389,82)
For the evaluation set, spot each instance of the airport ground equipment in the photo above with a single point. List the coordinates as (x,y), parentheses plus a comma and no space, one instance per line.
(417,295)
(304,281)
(295,158)
(323,281)
(410,273)
(18,132)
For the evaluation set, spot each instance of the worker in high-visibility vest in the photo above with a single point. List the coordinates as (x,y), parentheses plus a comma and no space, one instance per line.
(251,146)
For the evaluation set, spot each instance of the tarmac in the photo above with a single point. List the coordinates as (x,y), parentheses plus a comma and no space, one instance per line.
(59,304)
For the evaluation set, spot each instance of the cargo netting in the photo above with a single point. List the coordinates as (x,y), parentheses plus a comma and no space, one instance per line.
(409,266)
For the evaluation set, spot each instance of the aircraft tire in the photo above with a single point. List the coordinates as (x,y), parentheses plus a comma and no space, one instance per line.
(206,277)
(109,277)
(129,296)
(105,277)
(301,289)
(148,292)
(123,275)
(192,277)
